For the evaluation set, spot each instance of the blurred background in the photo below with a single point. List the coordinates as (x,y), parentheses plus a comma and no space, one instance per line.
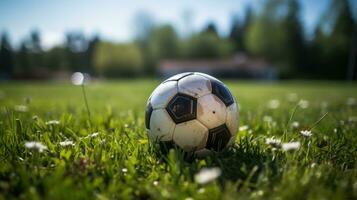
(258,39)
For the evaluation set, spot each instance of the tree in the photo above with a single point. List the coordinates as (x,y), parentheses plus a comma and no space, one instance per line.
(265,36)
(76,46)
(276,34)
(211,29)
(333,40)
(113,60)
(143,25)
(22,59)
(90,53)
(294,45)
(207,45)
(163,42)
(6,56)
(35,52)
(239,29)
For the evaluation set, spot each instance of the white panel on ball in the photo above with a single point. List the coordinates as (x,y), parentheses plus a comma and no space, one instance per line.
(232,121)
(178,76)
(161,126)
(207,76)
(163,94)
(191,135)
(211,111)
(194,85)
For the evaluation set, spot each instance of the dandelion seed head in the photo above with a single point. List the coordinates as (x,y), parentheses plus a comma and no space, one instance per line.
(207,175)
(273,104)
(77,78)
(303,104)
(291,146)
(37,146)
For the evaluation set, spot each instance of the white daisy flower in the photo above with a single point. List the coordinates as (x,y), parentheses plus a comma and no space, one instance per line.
(21,108)
(67,143)
(243,128)
(201,191)
(303,104)
(37,146)
(207,175)
(273,104)
(276,143)
(295,124)
(306,133)
(53,122)
(290,146)
(155,183)
(93,135)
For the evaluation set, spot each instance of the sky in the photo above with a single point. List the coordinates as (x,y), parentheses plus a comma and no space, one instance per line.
(113,20)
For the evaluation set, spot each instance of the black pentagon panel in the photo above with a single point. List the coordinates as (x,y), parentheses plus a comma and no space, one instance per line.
(218,138)
(222,92)
(182,108)
(178,76)
(148,112)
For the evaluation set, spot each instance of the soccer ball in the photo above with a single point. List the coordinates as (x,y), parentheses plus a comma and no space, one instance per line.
(194,111)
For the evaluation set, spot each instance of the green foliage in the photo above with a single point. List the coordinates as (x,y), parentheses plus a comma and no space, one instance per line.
(164,42)
(6,56)
(206,45)
(333,41)
(117,59)
(278,36)
(112,159)
(55,59)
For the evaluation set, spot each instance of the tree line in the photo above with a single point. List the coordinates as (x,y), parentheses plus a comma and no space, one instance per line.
(273,32)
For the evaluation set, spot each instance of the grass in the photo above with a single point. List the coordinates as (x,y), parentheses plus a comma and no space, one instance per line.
(118,162)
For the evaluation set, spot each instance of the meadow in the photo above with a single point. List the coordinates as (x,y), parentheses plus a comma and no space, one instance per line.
(52,148)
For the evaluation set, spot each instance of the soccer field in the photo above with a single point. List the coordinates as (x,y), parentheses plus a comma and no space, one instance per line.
(108,156)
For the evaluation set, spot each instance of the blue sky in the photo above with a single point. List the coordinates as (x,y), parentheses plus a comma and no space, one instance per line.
(114,19)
